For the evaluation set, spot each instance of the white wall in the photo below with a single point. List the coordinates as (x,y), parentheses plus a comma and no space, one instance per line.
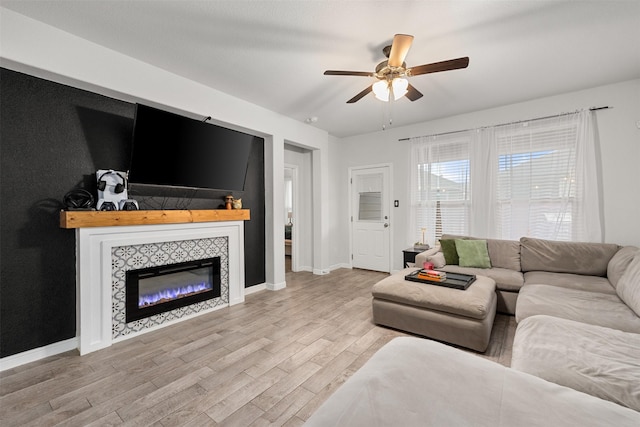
(41,50)
(303,216)
(338,204)
(619,139)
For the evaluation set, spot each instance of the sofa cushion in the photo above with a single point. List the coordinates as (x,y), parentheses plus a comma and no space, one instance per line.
(594,308)
(620,262)
(506,280)
(473,253)
(568,280)
(503,253)
(474,302)
(450,251)
(590,259)
(628,288)
(417,382)
(602,362)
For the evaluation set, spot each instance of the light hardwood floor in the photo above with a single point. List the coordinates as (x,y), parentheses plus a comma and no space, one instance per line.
(270,361)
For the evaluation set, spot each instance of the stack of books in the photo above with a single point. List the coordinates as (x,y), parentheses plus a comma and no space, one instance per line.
(433,275)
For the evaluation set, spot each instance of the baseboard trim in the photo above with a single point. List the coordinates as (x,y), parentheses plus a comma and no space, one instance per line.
(255,288)
(36,354)
(323,271)
(276,286)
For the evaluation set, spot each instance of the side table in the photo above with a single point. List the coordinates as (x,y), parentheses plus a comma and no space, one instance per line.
(409,256)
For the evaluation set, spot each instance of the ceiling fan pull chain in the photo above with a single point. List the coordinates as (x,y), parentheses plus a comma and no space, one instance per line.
(387,114)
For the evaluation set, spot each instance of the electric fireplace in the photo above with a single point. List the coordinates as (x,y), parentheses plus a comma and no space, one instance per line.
(155,290)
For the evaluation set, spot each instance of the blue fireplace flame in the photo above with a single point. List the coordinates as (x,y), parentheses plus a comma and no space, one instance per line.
(173,293)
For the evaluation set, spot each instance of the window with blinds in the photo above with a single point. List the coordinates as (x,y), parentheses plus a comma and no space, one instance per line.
(442,187)
(536,181)
(536,178)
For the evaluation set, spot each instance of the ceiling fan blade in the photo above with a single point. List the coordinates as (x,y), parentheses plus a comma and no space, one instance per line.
(347,73)
(399,49)
(452,64)
(361,95)
(412,93)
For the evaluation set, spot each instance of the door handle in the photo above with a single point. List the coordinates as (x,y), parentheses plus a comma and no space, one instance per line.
(386,225)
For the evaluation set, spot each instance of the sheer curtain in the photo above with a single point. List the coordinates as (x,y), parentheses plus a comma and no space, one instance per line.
(589,180)
(537,178)
(484,175)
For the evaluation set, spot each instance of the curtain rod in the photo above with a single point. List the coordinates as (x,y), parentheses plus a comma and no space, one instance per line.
(506,124)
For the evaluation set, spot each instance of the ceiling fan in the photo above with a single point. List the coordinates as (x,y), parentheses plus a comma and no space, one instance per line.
(392,73)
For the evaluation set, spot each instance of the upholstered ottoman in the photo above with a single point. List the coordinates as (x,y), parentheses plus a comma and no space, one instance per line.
(461,317)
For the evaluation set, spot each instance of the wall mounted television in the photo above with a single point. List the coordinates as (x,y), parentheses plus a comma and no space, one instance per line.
(170,150)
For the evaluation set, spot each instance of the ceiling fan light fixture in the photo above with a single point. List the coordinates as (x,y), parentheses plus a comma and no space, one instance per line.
(400,87)
(381,90)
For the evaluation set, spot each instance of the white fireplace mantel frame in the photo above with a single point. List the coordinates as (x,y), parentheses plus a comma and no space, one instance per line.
(93,271)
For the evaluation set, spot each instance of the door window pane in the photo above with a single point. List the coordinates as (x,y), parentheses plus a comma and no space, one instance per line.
(370,206)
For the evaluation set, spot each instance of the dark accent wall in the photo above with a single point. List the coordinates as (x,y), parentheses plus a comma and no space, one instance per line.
(52,139)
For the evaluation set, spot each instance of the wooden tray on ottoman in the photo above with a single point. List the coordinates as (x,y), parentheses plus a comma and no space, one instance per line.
(454,280)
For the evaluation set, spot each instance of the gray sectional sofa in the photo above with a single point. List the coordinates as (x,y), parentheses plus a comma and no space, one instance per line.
(576,352)
(577,306)
(571,265)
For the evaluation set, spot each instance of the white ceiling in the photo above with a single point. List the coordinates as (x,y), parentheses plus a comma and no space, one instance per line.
(273,53)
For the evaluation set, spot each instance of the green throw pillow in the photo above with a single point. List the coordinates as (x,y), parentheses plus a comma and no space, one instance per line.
(473,253)
(448,247)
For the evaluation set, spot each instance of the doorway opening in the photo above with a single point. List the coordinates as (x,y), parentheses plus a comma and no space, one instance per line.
(290,209)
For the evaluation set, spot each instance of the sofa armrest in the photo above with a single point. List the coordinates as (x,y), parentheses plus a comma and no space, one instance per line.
(619,263)
(422,256)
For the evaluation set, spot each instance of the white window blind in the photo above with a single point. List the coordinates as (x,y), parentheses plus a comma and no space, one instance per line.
(369,188)
(536,185)
(441,188)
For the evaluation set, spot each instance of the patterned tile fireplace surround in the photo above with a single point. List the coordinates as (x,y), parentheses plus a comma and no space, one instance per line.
(104,254)
(134,257)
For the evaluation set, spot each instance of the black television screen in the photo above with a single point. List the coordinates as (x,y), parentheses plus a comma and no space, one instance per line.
(172,150)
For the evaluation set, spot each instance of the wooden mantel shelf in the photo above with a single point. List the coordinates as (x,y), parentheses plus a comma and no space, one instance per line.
(80,219)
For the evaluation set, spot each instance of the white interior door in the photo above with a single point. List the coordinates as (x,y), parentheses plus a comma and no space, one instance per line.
(370,218)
